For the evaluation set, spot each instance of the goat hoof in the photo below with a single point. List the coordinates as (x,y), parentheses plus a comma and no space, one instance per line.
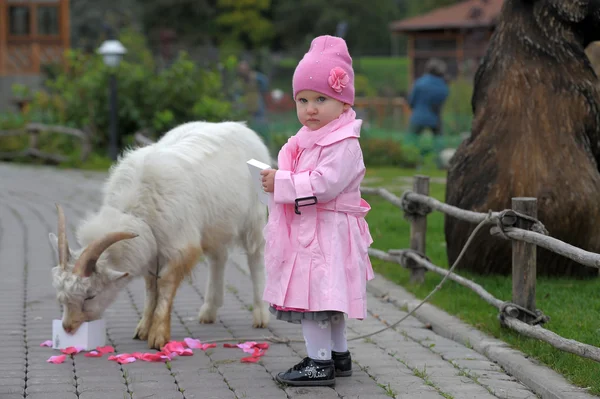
(260,317)
(157,341)
(207,314)
(141,332)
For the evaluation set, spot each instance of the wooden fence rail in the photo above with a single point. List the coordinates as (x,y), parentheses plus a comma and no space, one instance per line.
(33,130)
(520,314)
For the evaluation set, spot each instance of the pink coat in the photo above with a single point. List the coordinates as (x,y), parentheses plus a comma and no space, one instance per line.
(318,259)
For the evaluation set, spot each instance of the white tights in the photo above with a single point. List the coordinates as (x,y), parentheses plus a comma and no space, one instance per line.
(322,337)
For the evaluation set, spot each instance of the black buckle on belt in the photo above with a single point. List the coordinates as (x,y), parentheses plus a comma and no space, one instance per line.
(297,205)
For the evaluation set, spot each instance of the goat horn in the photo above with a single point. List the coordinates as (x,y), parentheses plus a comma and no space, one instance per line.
(63,245)
(86,264)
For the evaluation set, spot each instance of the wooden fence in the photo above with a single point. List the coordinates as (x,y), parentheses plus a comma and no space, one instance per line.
(33,131)
(518,224)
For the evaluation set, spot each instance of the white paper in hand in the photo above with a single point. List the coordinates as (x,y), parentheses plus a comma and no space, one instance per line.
(255,168)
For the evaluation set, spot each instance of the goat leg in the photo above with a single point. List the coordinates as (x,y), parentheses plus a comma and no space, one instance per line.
(215,284)
(168,283)
(143,327)
(260,312)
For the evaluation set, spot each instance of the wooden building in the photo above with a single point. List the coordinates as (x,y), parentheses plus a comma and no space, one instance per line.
(457,34)
(32,33)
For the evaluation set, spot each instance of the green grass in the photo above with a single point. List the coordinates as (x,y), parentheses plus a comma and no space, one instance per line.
(571,304)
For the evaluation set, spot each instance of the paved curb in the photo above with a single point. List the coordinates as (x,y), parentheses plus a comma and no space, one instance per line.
(541,379)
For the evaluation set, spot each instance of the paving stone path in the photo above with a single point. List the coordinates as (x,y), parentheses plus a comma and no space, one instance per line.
(409,362)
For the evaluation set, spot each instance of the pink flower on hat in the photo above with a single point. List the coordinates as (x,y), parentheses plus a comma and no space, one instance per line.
(338,79)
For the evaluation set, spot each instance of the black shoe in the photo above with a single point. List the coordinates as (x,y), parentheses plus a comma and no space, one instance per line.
(309,372)
(343,363)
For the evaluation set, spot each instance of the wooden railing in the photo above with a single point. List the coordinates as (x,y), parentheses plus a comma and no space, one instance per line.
(33,130)
(518,225)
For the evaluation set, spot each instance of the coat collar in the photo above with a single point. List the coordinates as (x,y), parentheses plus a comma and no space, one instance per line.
(350,130)
(306,138)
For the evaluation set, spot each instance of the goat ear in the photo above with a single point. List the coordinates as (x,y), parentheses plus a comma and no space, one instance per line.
(114,275)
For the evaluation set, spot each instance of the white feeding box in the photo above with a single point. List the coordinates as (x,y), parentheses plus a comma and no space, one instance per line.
(89,335)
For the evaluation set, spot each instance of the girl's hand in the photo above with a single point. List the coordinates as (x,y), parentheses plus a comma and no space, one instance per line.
(268,180)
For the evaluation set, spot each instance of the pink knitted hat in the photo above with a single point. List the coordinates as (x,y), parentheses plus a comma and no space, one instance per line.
(326,68)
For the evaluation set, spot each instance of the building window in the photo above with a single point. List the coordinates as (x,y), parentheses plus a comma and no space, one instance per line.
(47,20)
(18,20)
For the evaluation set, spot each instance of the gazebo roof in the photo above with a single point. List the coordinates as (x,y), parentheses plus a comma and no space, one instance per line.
(468,14)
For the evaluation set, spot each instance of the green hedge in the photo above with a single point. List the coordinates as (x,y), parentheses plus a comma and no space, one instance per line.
(387,75)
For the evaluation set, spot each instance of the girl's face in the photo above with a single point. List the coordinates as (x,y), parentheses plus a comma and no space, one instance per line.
(315,110)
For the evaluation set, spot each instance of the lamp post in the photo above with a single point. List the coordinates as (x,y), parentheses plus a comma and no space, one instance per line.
(112,51)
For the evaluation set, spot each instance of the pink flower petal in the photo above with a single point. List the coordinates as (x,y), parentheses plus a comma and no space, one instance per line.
(47,343)
(250,359)
(230,346)
(57,359)
(192,343)
(123,358)
(173,346)
(247,346)
(105,349)
(154,357)
(208,346)
(257,352)
(71,350)
(93,354)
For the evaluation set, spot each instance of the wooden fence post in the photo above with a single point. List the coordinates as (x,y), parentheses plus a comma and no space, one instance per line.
(34,139)
(524,258)
(418,229)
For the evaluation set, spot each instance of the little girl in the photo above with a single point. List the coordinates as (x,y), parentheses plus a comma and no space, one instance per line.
(317,238)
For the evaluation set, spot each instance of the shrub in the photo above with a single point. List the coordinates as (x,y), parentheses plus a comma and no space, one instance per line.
(387,75)
(388,152)
(148,99)
(363,87)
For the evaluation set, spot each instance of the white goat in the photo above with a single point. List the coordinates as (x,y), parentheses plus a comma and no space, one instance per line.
(164,206)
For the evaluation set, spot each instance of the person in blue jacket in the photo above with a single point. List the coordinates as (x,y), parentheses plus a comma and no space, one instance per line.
(427,97)
(426,100)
